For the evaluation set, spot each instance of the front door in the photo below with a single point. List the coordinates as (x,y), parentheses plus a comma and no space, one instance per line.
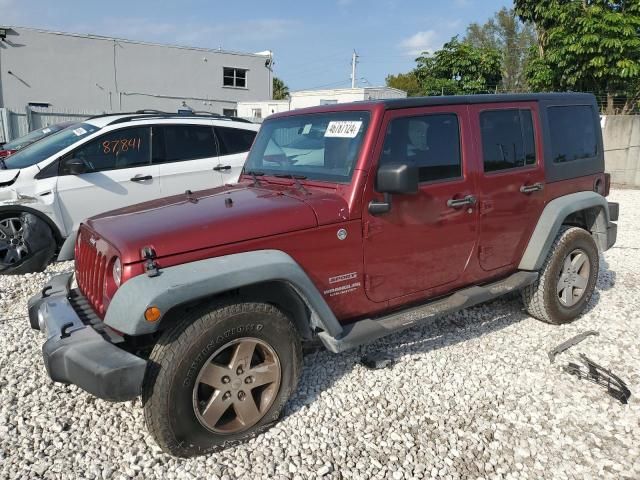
(510,196)
(426,240)
(118,173)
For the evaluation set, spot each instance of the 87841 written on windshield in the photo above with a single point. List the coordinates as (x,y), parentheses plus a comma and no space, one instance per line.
(323,146)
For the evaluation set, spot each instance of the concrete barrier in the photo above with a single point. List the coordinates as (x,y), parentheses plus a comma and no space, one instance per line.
(621,134)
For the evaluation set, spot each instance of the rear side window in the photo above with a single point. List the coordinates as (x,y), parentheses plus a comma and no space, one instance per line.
(234,140)
(573,133)
(124,148)
(173,143)
(430,142)
(508,139)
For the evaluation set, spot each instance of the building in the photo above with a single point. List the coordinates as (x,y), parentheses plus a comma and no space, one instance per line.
(311,98)
(90,73)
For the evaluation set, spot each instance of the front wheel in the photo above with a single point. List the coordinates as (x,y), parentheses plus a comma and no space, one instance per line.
(567,279)
(220,377)
(26,244)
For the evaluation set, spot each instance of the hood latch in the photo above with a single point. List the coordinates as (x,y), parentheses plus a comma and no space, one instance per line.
(151,268)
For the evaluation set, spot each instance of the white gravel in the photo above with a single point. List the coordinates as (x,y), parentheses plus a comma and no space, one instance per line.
(472,396)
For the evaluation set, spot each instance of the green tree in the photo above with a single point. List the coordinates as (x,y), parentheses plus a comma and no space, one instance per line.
(589,45)
(280,89)
(459,68)
(407,82)
(512,38)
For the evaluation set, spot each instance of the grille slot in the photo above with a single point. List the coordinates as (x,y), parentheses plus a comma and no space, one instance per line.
(91,268)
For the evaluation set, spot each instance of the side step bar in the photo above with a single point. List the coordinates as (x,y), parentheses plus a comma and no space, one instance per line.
(368,330)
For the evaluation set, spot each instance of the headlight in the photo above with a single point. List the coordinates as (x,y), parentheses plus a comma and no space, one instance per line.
(117,272)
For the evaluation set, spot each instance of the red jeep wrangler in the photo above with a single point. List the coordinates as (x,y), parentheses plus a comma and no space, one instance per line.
(350,222)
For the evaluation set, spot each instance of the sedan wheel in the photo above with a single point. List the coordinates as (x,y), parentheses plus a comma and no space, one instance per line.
(12,246)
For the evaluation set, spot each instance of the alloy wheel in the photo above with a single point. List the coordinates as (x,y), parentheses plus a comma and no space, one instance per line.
(574,278)
(12,246)
(237,385)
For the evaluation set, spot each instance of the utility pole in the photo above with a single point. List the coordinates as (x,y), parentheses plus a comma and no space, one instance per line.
(354,62)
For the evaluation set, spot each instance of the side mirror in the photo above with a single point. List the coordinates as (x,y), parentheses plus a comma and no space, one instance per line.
(75,166)
(398,178)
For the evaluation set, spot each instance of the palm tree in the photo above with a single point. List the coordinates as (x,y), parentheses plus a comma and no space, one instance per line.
(280,90)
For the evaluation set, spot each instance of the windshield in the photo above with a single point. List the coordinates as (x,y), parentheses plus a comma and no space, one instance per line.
(34,136)
(43,149)
(321,146)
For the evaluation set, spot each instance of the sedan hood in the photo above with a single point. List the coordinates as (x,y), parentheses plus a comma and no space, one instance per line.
(204,219)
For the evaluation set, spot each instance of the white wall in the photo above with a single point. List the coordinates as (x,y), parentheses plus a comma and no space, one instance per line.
(249,109)
(91,73)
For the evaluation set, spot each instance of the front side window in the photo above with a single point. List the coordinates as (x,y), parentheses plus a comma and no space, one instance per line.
(573,133)
(234,140)
(48,146)
(508,139)
(234,77)
(124,148)
(173,143)
(430,142)
(322,146)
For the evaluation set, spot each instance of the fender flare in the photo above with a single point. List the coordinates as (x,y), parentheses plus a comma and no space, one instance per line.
(67,249)
(205,278)
(551,219)
(57,235)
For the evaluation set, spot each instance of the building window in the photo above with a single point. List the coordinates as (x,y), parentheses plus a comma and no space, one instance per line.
(256,112)
(234,77)
(229,112)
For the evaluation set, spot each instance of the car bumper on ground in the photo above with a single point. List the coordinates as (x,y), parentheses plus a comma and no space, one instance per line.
(80,349)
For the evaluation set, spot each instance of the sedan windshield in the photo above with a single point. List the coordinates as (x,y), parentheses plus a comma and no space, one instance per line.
(321,146)
(43,149)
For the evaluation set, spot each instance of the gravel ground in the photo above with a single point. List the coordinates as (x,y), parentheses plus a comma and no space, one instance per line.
(471,396)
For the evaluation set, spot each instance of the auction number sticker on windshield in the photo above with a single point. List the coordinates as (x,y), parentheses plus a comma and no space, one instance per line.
(46,130)
(343,128)
(79,131)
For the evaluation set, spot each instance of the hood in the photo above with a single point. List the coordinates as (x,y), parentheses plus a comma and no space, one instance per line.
(203,219)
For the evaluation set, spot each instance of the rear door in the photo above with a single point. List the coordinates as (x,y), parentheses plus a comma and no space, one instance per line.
(426,240)
(186,156)
(119,173)
(511,182)
(234,144)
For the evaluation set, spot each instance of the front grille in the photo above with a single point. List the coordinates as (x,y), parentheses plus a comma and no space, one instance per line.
(91,268)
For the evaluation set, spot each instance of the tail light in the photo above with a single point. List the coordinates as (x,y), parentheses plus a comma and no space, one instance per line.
(602,186)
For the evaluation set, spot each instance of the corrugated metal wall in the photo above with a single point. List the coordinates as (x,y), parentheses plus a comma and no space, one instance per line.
(14,124)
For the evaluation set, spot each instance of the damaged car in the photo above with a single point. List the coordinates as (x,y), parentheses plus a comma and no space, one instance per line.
(108,162)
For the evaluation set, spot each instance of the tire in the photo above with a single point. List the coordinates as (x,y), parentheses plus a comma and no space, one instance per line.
(27,244)
(567,278)
(177,387)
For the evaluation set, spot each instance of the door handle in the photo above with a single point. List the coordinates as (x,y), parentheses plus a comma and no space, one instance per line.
(536,187)
(461,202)
(222,167)
(141,178)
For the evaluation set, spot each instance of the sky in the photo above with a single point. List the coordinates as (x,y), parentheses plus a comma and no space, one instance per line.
(312,42)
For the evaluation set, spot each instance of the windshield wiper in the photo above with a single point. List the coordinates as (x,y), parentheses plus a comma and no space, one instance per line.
(296,179)
(255,176)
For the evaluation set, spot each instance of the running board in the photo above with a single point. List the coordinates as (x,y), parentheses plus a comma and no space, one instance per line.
(368,330)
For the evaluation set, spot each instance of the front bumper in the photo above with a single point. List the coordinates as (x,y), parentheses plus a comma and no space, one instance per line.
(80,349)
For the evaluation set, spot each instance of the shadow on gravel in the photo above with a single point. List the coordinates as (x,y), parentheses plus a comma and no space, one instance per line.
(322,368)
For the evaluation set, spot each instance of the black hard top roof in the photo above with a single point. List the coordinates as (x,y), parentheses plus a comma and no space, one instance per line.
(395,103)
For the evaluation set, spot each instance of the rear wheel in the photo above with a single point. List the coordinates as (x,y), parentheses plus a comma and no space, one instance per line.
(219,377)
(567,278)
(26,244)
